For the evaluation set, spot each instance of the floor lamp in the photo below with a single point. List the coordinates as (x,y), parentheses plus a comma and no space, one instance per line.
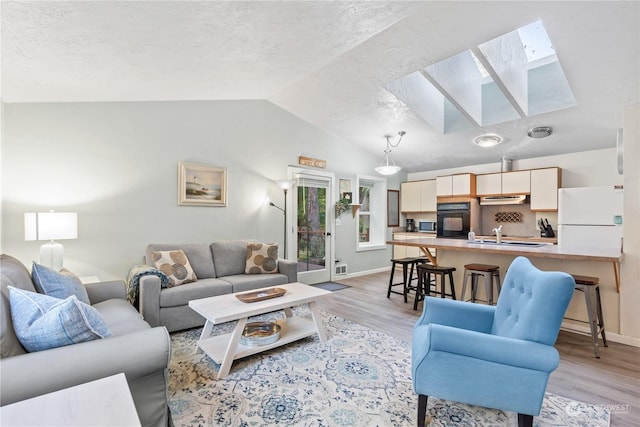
(285,185)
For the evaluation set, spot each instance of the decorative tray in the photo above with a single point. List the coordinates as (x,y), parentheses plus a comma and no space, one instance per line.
(260,333)
(261,295)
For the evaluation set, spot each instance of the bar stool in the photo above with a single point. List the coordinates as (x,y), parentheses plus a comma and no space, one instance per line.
(424,281)
(591,288)
(408,266)
(490,274)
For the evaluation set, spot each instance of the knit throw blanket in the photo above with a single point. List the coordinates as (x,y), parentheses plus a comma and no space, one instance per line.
(133,279)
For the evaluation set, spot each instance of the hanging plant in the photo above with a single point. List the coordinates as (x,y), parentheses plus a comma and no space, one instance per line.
(342,206)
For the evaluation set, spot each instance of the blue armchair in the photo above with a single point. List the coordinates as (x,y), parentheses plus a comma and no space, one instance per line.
(493,356)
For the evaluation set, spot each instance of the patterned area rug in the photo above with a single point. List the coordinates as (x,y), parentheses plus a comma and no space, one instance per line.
(358,377)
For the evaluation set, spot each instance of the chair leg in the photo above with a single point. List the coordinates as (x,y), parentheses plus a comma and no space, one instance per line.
(593,322)
(419,289)
(525,420)
(601,318)
(393,269)
(422,409)
(453,288)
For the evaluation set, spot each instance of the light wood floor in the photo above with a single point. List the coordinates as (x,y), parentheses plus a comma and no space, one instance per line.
(613,380)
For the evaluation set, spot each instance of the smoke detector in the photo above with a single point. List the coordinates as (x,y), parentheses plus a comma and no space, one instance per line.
(539,132)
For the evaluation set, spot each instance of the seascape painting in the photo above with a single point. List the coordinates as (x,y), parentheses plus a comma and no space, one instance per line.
(201,185)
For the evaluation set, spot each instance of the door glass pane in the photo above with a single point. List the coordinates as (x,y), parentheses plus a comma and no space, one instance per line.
(312,202)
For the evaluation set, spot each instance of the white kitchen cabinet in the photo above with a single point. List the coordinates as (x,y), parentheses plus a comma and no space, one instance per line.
(544,189)
(456,185)
(410,196)
(516,182)
(418,196)
(405,251)
(489,184)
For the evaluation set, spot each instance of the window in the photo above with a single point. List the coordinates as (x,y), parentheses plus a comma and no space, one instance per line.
(371,223)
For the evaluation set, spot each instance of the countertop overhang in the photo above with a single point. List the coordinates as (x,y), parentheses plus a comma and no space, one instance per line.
(543,251)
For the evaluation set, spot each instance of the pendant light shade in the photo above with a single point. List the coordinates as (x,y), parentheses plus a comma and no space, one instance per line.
(388,167)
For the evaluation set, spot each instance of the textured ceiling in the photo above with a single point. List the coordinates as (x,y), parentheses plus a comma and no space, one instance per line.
(326,62)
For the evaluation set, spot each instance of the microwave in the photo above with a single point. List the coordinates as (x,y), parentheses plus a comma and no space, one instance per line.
(427,226)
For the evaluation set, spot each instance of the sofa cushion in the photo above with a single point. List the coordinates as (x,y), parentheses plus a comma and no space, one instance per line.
(61,285)
(175,265)
(229,256)
(204,288)
(42,322)
(198,254)
(120,316)
(249,282)
(261,258)
(12,273)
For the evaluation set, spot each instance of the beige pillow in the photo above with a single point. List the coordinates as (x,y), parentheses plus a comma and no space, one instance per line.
(175,265)
(261,258)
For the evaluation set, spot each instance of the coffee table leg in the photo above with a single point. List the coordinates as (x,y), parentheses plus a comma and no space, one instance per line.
(232,346)
(287,312)
(317,320)
(206,331)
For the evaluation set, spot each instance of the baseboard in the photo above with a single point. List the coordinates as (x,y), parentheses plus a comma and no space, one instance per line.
(361,273)
(611,336)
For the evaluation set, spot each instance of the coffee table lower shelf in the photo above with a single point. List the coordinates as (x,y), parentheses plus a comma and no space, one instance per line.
(293,328)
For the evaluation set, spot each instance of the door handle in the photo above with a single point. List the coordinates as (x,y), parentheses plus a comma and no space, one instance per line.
(328,234)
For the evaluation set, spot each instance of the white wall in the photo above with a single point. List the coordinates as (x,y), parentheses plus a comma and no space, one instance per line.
(116,165)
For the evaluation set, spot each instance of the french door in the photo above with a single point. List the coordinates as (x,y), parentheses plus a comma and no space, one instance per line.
(312,202)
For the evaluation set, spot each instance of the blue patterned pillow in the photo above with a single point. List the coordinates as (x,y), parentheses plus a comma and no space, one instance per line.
(58,284)
(42,322)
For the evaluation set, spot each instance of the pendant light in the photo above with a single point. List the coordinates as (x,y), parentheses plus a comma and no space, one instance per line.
(388,167)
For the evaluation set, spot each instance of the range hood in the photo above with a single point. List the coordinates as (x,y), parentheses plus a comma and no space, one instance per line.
(504,200)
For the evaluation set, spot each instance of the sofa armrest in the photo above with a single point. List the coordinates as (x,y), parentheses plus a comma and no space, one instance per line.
(149,288)
(289,268)
(138,355)
(102,291)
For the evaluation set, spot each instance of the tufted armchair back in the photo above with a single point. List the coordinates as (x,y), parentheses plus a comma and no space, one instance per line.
(532,303)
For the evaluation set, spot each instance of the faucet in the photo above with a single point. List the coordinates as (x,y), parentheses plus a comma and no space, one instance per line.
(498,232)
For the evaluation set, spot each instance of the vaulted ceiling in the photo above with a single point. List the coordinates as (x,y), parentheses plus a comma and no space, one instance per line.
(325,62)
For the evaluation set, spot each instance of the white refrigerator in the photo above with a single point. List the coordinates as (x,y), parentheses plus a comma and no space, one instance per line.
(590,217)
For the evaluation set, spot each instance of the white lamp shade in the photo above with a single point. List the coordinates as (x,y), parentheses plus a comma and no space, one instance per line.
(285,184)
(50,225)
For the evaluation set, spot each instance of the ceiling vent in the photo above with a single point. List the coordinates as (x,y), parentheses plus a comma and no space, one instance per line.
(539,132)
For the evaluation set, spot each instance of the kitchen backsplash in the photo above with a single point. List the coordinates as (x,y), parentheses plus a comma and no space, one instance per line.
(516,220)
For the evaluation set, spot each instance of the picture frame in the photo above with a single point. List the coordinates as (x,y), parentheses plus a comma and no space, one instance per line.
(201,185)
(393,208)
(347,196)
(345,186)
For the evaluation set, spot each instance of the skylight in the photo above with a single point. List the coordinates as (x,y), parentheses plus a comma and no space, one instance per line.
(514,76)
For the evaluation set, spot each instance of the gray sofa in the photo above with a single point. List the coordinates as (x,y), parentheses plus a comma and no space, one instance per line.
(141,352)
(220,269)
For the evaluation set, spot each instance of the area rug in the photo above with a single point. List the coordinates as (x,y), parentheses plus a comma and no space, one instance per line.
(358,377)
(330,286)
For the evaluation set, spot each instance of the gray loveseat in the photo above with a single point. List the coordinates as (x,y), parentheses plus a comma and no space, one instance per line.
(141,352)
(220,269)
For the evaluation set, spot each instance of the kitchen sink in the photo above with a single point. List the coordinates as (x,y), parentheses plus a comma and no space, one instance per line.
(507,243)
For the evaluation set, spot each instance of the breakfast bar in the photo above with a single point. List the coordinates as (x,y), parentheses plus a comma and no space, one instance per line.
(591,261)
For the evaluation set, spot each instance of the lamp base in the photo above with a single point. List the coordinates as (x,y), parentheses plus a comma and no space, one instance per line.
(51,255)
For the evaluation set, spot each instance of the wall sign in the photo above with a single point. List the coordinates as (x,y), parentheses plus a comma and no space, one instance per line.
(309,161)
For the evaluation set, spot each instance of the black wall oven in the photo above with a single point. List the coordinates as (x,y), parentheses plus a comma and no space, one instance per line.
(454,220)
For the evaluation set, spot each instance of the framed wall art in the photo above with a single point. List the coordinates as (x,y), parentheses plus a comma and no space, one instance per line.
(201,185)
(393,208)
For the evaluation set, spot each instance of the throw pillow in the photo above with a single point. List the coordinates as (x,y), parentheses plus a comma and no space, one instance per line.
(42,322)
(175,265)
(261,258)
(60,284)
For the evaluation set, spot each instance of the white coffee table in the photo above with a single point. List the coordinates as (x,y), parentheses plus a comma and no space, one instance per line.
(224,349)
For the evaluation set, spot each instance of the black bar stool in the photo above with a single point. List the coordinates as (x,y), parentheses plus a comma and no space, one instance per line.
(424,281)
(490,274)
(591,288)
(408,267)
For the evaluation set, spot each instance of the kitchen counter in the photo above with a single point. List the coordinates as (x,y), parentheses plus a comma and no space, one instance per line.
(586,261)
(542,251)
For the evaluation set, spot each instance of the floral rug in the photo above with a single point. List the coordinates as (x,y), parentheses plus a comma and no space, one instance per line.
(358,377)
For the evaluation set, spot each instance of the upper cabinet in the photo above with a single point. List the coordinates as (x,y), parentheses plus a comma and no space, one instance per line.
(544,189)
(489,184)
(456,185)
(418,196)
(516,182)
